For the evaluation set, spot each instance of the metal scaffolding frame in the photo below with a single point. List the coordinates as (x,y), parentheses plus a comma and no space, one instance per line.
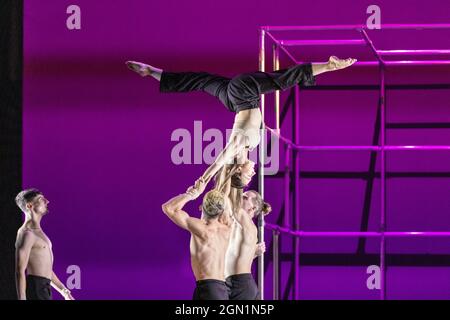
(292,148)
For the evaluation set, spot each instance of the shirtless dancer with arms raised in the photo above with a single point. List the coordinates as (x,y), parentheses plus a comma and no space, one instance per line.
(209,239)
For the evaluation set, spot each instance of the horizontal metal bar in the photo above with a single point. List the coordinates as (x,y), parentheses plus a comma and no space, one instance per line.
(417,62)
(290,43)
(355,148)
(332,148)
(321,87)
(368,234)
(357,27)
(368,148)
(418,125)
(398,63)
(405,26)
(413,52)
(367,259)
(312,28)
(364,175)
(390,62)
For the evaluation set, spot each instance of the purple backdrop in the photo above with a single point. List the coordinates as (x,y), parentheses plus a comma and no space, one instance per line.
(97,139)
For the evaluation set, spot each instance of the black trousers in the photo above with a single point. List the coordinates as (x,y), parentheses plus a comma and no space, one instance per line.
(241,92)
(38,288)
(210,289)
(242,287)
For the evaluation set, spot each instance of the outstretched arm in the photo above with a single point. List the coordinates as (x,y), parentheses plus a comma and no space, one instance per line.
(174,210)
(223,182)
(231,150)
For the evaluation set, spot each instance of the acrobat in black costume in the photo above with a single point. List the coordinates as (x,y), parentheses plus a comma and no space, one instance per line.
(241,92)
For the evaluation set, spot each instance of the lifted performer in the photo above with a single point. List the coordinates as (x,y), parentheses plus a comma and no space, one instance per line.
(241,95)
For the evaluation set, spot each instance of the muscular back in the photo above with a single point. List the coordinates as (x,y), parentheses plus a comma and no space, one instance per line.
(40,261)
(208,251)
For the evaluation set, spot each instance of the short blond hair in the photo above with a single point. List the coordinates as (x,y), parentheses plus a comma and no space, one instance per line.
(213,203)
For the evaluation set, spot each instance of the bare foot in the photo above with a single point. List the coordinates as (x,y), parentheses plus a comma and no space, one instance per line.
(334,63)
(140,68)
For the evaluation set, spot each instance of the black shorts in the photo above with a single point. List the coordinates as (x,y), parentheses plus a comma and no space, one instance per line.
(242,287)
(210,289)
(38,288)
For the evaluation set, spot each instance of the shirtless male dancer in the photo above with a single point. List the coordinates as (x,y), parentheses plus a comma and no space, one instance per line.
(241,250)
(34,252)
(243,246)
(209,239)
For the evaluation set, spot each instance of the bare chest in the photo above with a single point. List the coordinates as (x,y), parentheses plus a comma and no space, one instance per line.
(43,242)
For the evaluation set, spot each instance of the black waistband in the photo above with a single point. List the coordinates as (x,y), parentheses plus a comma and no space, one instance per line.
(240,276)
(205,281)
(38,278)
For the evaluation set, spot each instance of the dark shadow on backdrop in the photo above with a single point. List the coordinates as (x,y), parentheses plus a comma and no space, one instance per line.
(11,29)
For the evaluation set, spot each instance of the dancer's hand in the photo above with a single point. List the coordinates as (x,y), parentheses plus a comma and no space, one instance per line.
(200,184)
(67,295)
(260,248)
(334,63)
(193,192)
(197,189)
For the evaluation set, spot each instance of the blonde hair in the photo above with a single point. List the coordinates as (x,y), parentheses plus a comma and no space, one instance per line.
(213,204)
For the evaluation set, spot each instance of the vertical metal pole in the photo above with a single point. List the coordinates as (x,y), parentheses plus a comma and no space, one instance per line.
(276,66)
(383,165)
(276,265)
(276,262)
(287,183)
(287,206)
(296,214)
(261,170)
(383,185)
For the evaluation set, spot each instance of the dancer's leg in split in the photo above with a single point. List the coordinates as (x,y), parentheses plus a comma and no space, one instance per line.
(333,64)
(212,84)
(192,81)
(144,69)
(300,74)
